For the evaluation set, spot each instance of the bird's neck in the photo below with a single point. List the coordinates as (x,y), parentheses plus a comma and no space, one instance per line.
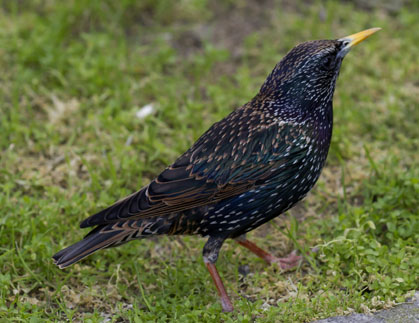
(316,117)
(299,110)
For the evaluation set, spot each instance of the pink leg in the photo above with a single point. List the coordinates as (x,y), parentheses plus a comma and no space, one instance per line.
(287,263)
(225,300)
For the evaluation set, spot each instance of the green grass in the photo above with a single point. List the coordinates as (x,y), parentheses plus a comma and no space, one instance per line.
(73,75)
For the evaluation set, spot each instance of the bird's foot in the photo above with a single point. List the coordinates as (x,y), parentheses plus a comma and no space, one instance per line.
(226,305)
(291,261)
(287,263)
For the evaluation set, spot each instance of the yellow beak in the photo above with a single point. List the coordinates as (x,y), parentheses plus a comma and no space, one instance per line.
(355,39)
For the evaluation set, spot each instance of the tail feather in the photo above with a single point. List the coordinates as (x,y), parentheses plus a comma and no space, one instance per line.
(111,235)
(90,244)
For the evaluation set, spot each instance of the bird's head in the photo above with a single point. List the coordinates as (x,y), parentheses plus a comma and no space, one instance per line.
(308,73)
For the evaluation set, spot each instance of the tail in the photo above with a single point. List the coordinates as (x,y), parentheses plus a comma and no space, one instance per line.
(111,235)
(94,241)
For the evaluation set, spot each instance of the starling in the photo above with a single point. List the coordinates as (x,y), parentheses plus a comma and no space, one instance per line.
(242,172)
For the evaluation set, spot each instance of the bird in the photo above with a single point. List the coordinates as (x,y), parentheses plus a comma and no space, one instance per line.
(245,170)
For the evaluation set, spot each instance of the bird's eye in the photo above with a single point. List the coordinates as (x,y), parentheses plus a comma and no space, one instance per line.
(345,43)
(328,62)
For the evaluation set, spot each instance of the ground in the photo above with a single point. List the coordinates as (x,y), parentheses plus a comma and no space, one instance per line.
(98,97)
(407,312)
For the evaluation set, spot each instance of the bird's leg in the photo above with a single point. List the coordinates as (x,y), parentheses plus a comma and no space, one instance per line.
(289,262)
(210,253)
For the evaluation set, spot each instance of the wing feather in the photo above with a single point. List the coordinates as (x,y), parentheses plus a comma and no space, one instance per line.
(215,168)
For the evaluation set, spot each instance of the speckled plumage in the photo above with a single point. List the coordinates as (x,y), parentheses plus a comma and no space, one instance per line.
(245,170)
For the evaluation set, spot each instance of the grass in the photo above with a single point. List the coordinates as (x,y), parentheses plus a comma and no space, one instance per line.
(75,73)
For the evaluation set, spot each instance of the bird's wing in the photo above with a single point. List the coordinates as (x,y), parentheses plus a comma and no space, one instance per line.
(234,155)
